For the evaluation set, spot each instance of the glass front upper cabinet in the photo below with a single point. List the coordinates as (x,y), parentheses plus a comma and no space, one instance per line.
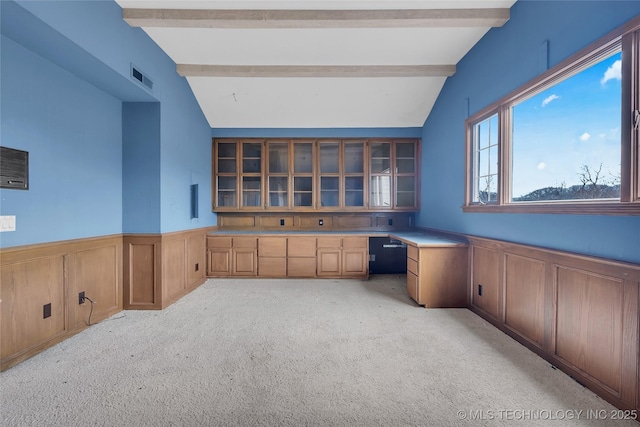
(354,174)
(278,174)
(380,175)
(226,183)
(303,174)
(393,175)
(251,174)
(405,171)
(306,175)
(329,174)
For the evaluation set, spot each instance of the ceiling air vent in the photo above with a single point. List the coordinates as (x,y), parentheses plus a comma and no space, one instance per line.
(141,77)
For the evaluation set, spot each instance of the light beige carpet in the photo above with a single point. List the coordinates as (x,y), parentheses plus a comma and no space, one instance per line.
(242,352)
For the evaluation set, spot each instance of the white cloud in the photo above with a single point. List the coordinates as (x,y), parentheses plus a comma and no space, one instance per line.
(613,72)
(550,98)
(541,166)
(585,136)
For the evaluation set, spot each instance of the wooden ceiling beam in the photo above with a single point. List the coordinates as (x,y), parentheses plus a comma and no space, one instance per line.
(195,70)
(244,19)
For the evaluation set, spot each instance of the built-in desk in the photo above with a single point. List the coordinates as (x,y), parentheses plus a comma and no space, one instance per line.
(436,269)
(436,265)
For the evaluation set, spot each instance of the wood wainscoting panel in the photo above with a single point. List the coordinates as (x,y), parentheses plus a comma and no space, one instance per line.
(174,273)
(96,272)
(590,325)
(196,260)
(351,222)
(485,273)
(524,289)
(142,272)
(589,330)
(161,268)
(26,287)
(34,276)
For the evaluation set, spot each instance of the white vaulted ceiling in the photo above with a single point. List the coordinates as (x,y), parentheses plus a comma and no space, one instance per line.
(316,64)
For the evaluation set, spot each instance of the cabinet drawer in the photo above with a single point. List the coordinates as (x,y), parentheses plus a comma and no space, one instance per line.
(272,246)
(412,266)
(329,242)
(272,267)
(412,252)
(412,286)
(355,242)
(218,242)
(244,242)
(302,246)
(301,267)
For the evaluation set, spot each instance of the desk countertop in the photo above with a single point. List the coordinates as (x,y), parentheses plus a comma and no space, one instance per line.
(411,237)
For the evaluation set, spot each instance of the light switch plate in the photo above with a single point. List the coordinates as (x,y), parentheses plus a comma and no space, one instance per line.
(7,223)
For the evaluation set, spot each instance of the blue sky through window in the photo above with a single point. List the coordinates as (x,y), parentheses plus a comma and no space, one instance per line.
(574,123)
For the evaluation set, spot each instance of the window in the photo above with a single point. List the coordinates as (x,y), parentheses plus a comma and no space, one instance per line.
(485,166)
(567,142)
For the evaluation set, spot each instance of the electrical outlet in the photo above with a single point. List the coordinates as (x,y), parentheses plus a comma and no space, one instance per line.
(46,311)
(479,290)
(81,299)
(320,222)
(197,266)
(282,221)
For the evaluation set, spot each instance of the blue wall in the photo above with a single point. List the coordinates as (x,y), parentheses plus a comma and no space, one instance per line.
(72,132)
(503,60)
(140,167)
(68,98)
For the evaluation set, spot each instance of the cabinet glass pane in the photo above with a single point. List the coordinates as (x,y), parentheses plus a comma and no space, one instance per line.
(405,193)
(227,191)
(278,191)
(329,157)
(303,158)
(354,191)
(227,149)
(380,157)
(251,157)
(302,191)
(226,165)
(329,192)
(226,158)
(380,191)
(278,157)
(353,157)
(405,158)
(405,149)
(251,191)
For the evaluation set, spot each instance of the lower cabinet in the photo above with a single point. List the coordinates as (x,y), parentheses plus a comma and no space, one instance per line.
(355,256)
(272,256)
(288,256)
(343,256)
(301,256)
(232,256)
(437,276)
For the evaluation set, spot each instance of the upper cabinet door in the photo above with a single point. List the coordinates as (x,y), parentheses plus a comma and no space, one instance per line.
(393,175)
(380,189)
(303,175)
(405,171)
(225,182)
(251,175)
(354,183)
(329,171)
(278,174)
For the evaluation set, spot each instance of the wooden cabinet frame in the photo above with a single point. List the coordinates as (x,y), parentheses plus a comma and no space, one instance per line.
(234,191)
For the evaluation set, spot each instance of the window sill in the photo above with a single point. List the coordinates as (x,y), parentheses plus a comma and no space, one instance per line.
(573,208)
